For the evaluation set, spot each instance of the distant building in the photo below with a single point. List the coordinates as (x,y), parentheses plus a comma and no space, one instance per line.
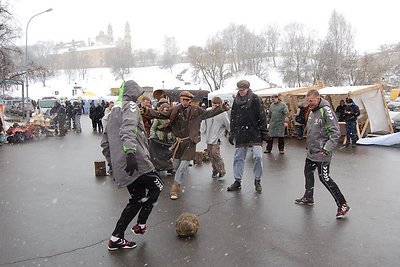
(78,54)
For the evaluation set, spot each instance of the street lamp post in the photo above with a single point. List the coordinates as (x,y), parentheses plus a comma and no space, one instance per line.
(26,57)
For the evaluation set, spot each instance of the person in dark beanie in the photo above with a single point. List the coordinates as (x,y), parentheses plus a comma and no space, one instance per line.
(248,128)
(125,147)
(323,135)
(351,113)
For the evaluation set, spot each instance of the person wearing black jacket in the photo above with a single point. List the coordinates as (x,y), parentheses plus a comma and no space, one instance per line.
(98,115)
(70,115)
(351,113)
(248,128)
(92,115)
(340,110)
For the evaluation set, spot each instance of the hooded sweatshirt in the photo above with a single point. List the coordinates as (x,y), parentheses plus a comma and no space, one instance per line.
(124,134)
(323,132)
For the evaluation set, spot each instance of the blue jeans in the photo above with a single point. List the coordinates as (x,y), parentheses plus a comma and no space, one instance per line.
(239,158)
(300,131)
(351,132)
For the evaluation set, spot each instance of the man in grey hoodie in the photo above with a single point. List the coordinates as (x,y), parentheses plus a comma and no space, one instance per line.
(323,134)
(125,147)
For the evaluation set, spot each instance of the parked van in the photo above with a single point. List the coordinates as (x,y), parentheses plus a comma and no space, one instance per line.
(46,104)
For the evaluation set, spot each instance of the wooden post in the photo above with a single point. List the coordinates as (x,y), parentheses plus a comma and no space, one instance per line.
(100,168)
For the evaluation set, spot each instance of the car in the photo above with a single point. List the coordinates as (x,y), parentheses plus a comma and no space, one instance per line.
(394,105)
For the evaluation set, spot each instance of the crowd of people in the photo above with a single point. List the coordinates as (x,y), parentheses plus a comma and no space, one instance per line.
(139,141)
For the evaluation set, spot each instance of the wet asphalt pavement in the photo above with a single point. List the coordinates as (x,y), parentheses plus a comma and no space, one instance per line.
(55,212)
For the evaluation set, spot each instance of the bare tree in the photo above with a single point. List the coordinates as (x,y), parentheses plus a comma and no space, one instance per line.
(169,58)
(145,57)
(336,50)
(121,60)
(368,70)
(210,62)
(298,48)
(272,37)
(235,39)
(8,51)
(42,61)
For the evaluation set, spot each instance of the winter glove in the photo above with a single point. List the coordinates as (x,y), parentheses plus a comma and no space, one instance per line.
(265,136)
(231,138)
(131,164)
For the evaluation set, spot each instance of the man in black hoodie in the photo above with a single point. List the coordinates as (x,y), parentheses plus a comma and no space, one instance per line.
(248,129)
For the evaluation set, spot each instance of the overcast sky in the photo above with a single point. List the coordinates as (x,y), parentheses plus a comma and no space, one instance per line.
(192,22)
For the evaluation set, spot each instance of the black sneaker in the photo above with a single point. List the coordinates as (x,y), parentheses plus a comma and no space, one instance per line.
(120,243)
(258,187)
(221,176)
(214,175)
(171,172)
(305,201)
(137,230)
(235,186)
(342,211)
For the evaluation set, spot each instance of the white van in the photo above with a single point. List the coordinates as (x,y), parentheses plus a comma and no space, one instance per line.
(45,104)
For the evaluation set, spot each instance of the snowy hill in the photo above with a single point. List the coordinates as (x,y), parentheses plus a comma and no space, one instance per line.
(100,81)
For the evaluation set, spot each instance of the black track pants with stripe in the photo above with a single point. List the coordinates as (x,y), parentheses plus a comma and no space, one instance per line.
(327,181)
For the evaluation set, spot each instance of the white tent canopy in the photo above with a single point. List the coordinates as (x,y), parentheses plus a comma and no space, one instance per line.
(229,89)
(371,101)
(275,91)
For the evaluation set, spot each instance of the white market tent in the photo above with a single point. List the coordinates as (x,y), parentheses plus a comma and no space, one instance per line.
(370,99)
(229,89)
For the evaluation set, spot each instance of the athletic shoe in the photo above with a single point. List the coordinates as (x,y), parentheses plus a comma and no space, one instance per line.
(342,211)
(258,187)
(221,176)
(214,175)
(281,152)
(305,201)
(235,186)
(171,172)
(267,151)
(120,243)
(137,230)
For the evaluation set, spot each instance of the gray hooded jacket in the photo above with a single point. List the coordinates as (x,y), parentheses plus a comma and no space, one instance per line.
(125,133)
(323,132)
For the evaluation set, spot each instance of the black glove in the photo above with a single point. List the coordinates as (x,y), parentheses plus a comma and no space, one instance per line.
(230,139)
(131,164)
(265,136)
